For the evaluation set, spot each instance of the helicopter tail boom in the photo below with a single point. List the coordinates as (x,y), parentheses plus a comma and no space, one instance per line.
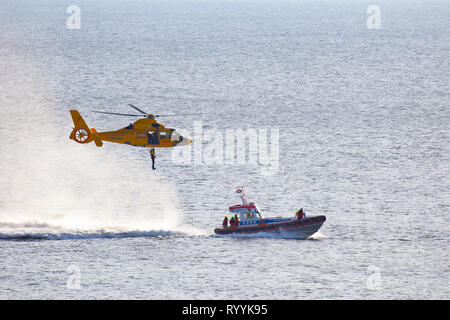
(82,133)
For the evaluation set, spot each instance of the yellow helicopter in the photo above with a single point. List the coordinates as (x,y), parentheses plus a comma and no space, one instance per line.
(146,132)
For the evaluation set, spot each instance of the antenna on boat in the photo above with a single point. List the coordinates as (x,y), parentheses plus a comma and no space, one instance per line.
(241,192)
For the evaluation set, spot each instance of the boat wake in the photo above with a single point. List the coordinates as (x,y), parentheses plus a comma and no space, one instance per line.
(88,235)
(42,231)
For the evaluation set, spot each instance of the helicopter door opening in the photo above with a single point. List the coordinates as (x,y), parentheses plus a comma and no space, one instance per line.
(153,137)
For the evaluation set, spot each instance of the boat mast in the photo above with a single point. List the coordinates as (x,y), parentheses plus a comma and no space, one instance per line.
(243,197)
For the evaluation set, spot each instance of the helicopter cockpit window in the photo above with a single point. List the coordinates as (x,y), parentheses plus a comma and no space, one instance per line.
(176,136)
(164,135)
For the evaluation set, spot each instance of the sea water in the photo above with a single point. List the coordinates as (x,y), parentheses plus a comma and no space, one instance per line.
(352,97)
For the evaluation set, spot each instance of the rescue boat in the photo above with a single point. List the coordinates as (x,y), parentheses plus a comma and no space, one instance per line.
(251,221)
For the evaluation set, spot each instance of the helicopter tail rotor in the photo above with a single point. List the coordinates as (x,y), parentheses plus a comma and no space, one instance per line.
(81,133)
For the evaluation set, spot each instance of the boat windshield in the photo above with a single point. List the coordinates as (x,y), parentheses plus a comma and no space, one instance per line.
(252,215)
(257,210)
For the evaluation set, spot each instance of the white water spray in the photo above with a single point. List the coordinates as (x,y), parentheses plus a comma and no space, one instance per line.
(52,184)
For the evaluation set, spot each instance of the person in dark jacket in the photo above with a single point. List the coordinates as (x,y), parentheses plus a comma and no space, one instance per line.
(153,155)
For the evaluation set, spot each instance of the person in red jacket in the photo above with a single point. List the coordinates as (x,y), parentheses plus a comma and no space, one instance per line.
(225,222)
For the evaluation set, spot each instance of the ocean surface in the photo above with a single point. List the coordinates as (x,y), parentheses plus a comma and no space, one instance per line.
(357,117)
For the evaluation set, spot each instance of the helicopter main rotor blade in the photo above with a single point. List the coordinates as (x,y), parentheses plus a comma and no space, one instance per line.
(120,114)
(161,115)
(176,115)
(143,112)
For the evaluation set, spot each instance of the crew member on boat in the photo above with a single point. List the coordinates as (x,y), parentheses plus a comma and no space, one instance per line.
(225,222)
(300,214)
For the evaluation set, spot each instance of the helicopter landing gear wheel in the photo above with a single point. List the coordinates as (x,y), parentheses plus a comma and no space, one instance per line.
(81,135)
